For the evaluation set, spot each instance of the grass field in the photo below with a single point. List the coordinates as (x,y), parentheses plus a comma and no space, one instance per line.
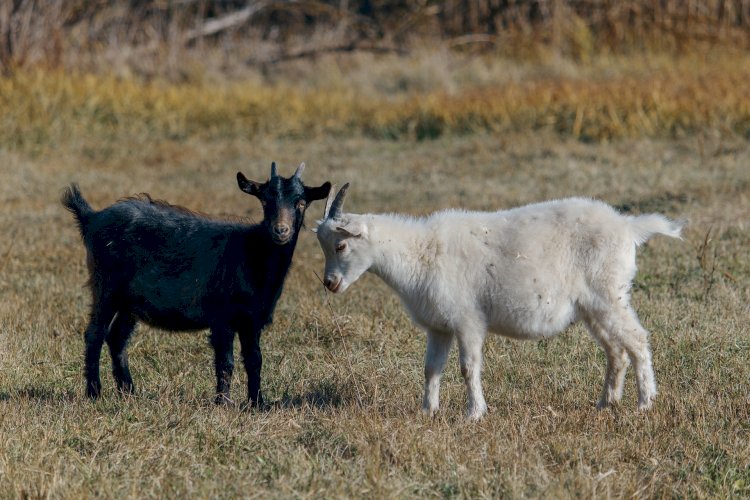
(344,373)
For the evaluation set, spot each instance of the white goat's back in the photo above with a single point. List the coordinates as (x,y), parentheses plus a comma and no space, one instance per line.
(531,270)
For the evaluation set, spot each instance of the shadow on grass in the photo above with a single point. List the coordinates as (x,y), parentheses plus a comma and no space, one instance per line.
(38,394)
(322,395)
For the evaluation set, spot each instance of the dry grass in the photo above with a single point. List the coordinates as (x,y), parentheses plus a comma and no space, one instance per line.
(422,97)
(345,371)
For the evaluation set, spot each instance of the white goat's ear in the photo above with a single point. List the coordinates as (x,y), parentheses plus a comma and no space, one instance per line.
(352,229)
(318,223)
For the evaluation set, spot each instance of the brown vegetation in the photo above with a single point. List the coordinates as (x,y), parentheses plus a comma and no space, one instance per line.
(80,33)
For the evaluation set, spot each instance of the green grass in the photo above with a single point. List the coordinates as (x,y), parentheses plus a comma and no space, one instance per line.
(345,372)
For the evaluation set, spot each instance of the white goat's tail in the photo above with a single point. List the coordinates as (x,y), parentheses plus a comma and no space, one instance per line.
(645,226)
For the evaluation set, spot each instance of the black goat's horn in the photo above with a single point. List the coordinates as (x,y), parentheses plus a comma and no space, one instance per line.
(338,202)
(273,169)
(300,169)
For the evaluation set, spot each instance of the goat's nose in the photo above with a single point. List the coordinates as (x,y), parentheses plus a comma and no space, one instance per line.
(282,229)
(332,283)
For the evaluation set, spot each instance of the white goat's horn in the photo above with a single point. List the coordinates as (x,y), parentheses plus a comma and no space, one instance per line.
(329,201)
(338,202)
(300,169)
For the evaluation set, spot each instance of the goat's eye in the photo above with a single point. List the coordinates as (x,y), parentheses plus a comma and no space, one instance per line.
(301,205)
(340,247)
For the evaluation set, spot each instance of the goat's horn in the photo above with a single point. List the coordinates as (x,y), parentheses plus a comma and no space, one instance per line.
(300,169)
(338,202)
(273,169)
(329,201)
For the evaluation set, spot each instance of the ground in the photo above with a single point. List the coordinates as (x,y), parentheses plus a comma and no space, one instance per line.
(344,372)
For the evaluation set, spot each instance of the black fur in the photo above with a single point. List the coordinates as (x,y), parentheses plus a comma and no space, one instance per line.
(178,270)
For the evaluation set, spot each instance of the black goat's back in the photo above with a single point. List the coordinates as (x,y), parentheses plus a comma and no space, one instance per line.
(179,270)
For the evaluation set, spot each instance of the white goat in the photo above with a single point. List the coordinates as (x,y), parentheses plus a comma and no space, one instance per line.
(526,273)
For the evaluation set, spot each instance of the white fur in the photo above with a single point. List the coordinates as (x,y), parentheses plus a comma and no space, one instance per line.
(526,273)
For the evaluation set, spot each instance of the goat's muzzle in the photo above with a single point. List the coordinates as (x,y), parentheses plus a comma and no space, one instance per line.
(333,284)
(281,233)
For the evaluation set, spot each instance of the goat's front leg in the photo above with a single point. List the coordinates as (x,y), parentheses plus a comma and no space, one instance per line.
(253,361)
(438,347)
(222,340)
(470,357)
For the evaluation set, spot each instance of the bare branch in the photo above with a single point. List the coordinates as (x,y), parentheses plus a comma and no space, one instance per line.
(348,47)
(226,22)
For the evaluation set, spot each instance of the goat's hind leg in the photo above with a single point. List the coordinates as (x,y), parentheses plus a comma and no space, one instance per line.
(438,347)
(102,314)
(120,329)
(617,364)
(625,329)
(635,340)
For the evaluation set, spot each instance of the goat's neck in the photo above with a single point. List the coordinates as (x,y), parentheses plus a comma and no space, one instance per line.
(261,248)
(399,251)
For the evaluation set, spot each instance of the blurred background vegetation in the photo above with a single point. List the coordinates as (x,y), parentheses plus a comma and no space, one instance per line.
(593,69)
(70,33)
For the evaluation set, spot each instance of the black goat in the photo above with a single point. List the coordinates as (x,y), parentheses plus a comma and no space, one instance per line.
(178,270)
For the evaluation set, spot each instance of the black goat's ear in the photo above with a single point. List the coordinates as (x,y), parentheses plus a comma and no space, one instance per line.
(317,193)
(248,186)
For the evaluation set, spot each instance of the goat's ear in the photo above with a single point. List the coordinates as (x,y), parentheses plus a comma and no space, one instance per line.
(352,230)
(317,193)
(248,186)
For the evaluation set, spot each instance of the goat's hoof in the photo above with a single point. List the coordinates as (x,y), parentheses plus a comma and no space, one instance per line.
(251,405)
(93,391)
(126,389)
(476,414)
(645,406)
(223,400)
(429,412)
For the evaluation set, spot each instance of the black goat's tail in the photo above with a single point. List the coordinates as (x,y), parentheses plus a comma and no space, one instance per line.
(73,200)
